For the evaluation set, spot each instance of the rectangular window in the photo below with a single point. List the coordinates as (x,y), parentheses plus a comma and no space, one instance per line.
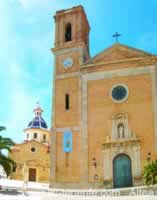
(44,137)
(67,101)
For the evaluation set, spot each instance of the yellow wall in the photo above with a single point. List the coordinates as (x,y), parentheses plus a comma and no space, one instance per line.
(101,108)
(40,133)
(88,144)
(70,173)
(25,159)
(63,117)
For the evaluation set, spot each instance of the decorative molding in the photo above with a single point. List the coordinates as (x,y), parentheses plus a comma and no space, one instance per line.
(72,128)
(64,51)
(98,64)
(84,134)
(132,150)
(118,73)
(67,75)
(121,118)
(154,96)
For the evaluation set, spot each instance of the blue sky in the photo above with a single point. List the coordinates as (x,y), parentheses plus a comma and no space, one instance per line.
(27,34)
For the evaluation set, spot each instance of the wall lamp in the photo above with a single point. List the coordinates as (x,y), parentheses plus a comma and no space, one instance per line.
(96,177)
(148,156)
(94,162)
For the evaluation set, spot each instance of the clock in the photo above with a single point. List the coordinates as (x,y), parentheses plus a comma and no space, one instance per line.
(67,63)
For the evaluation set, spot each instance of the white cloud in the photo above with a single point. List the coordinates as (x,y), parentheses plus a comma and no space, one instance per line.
(22,72)
(35,3)
(21,102)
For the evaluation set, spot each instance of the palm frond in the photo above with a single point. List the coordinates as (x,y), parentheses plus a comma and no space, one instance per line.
(5,144)
(8,164)
(2,128)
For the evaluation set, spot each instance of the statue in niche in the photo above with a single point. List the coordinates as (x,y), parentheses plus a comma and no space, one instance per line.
(120,130)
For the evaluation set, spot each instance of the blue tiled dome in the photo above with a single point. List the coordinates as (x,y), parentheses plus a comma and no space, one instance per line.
(37,122)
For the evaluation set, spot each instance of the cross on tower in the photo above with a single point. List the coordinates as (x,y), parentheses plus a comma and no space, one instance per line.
(116,36)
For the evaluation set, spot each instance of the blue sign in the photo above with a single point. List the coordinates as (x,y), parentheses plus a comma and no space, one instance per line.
(67,141)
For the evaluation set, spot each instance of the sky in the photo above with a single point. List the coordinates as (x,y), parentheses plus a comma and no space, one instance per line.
(27,35)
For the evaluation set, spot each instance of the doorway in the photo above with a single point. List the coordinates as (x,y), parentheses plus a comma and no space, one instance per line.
(32,174)
(122,172)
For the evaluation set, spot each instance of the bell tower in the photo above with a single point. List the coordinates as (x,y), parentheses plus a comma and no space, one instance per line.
(71,50)
(71,46)
(72,28)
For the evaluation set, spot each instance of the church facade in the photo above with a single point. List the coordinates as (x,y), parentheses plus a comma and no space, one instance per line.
(32,156)
(104,125)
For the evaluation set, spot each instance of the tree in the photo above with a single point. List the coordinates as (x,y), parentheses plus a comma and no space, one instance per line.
(2,128)
(7,163)
(150,173)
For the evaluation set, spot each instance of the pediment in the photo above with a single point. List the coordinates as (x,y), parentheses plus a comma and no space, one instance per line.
(119,52)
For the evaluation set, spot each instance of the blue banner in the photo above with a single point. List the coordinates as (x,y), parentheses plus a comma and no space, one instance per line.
(67,141)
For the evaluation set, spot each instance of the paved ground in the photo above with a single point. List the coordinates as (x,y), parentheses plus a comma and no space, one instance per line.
(12,190)
(15,195)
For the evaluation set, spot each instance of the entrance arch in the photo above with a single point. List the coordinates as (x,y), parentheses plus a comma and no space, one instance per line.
(122,172)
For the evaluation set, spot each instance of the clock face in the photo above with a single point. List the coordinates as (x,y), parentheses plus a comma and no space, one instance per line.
(67,63)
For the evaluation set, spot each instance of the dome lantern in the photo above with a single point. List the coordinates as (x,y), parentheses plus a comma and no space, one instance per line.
(38,110)
(38,121)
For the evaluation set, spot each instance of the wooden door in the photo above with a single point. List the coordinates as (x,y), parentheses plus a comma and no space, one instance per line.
(32,174)
(122,171)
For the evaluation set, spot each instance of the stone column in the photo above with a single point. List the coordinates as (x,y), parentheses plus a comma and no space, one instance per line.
(53,158)
(136,161)
(154,94)
(107,165)
(84,135)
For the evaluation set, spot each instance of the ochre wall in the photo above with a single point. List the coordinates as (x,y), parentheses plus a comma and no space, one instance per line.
(101,108)
(70,117)
(70,173)
(40,160)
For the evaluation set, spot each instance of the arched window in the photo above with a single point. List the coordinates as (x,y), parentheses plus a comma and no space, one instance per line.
(120,130)
(68,32)
(67,101)
(35,135)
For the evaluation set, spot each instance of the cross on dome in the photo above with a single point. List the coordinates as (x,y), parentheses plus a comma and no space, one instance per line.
(38,110)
